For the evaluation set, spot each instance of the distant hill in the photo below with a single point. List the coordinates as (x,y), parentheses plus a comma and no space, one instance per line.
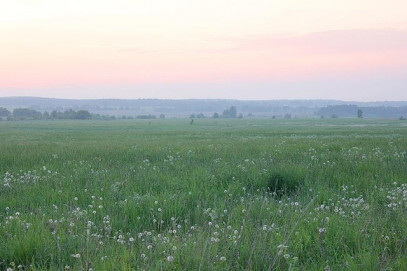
(184,108)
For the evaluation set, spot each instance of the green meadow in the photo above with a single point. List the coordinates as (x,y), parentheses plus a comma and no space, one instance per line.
(306,194)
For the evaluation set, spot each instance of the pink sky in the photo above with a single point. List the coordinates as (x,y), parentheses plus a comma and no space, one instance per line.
(275,49)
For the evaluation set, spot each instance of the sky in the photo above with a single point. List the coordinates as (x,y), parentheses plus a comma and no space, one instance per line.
(352,50)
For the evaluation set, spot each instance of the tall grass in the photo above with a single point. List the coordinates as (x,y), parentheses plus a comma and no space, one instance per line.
(215,195)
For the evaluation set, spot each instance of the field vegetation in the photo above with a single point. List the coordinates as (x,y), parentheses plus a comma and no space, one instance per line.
(220,194)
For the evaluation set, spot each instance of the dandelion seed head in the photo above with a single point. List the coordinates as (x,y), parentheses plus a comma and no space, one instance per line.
(321,230)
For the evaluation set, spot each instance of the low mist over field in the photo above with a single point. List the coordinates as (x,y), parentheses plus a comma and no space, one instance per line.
(122,108)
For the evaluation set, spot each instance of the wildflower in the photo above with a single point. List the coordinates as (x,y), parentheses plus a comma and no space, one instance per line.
(76,255)
(170,258)
(214,239)
(222,258)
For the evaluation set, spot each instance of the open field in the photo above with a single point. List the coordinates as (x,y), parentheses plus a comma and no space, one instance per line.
(322,194)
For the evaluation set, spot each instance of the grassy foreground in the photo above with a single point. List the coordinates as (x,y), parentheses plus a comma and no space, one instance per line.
(215,195)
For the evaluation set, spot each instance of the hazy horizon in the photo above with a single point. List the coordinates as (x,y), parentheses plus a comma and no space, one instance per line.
(268,50)
(209,99)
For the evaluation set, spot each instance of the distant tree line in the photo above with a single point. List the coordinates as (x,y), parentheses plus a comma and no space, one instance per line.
(146,117)
(20,114)
(230,113)
(71,114)
(353,111)
(31,114)
(346,110)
